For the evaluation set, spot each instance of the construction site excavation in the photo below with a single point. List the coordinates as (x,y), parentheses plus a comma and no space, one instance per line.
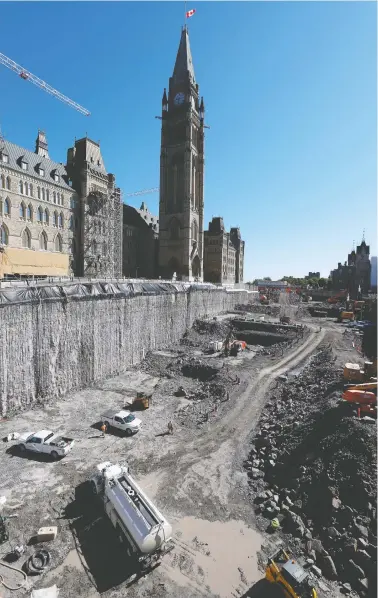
(183,440)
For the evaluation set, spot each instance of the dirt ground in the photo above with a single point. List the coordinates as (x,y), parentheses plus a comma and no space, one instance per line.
(195,476)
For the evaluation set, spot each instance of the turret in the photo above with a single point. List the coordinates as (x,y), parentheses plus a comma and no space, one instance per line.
(164,101)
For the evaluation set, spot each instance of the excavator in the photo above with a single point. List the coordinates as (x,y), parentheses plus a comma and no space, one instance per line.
(288,574)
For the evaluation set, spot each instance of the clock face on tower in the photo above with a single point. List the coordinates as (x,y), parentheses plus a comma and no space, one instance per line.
(179,98)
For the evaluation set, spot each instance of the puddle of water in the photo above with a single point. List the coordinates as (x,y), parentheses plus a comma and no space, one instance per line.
(222,556)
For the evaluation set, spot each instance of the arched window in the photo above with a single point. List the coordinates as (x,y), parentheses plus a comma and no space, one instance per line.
(103,228)
(21,187)
(55,219)
(26,239)
(43,195)
(3,235)
(3,181)
(194,231)
(94,247)
(174,229)
(72,203)
(60,220)
(31,190)
(58,243)
(104,248)
(8,183)
(29,212)
(26,189)
(39,192)
(47,195)
(40,214)
(54,197)
(7,207)
(71,222)
(43,241)
(61,199)
(22,210)
(47,216)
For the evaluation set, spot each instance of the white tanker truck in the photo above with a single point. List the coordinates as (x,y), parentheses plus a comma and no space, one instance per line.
(141,528)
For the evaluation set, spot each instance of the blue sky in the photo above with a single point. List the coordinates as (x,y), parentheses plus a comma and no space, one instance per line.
(290,95)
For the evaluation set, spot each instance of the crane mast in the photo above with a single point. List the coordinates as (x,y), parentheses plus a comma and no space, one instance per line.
(28,76)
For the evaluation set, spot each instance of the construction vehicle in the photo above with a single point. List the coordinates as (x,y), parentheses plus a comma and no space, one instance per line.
(122,420)
(236,347)
(366,402)
(346,316)
(366,386)
(288,574)
(354,373)
(338,298)
(141,401)
(143,531)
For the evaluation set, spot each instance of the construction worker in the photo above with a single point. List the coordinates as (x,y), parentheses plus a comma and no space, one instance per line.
(170,427)
(104,428)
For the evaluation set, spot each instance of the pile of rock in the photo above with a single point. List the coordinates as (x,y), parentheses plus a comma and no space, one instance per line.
(312,467)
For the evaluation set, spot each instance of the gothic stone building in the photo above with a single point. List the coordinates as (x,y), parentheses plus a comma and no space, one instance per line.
(97,243)
(35,212)
(58,220)
(223,254)
(354,273)
(181,172)
(140,242)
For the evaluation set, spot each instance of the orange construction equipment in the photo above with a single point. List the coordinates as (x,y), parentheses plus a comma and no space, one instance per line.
(236,347)
(362,397)
(366,402)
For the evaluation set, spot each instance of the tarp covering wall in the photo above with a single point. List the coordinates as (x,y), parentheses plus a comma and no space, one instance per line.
(55,339)
(14,295)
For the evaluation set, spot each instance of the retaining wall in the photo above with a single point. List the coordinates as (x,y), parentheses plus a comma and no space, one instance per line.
(49,347)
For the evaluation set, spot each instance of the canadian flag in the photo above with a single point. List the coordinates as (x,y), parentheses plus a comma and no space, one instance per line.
(190,13)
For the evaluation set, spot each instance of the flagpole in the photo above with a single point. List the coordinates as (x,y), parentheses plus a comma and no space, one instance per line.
(185,13)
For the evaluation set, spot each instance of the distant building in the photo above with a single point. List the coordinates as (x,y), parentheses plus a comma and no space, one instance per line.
(355,273)
(373,276)
(140,242)
(223,254)
(313,275)
(36,201)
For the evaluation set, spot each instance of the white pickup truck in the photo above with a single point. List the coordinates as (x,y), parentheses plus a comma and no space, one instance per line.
(45,441)
(122,420)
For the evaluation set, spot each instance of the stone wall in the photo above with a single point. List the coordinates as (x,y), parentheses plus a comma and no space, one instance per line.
(48,348)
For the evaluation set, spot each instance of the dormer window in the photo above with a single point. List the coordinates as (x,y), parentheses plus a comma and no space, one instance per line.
(4,158)
(98,162)
(24,165)
(41,171)
(56,177)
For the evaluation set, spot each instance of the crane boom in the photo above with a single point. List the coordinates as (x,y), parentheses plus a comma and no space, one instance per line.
(28,76)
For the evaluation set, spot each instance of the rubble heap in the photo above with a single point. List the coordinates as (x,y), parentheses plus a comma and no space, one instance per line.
(313,467)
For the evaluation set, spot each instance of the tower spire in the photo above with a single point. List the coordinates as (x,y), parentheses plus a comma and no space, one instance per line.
(184,62)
